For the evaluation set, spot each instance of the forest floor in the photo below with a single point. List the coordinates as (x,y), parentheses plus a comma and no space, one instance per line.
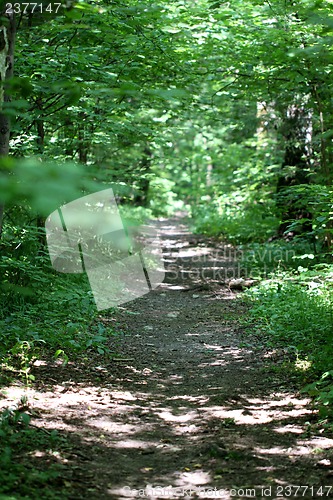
(192,406)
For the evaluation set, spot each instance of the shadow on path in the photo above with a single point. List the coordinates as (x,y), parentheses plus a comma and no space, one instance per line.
(185,406)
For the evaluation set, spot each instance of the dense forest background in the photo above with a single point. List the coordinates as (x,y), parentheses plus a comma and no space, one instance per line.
(220,109)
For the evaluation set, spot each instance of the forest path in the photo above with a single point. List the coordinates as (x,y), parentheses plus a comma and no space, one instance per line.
(190,403)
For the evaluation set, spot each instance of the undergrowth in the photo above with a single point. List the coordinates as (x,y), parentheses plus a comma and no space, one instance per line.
(30,457)
(236,217)
(43,312)
(293,308)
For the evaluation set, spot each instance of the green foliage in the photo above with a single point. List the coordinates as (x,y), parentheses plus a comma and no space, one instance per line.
(42,310)
(171,103)
(294,310)
(134,216)
(162,198)
(322,391)
(297,315)
(27,478)
(238,217)
(237,196)
(41,186)
(315,200)
(263,259)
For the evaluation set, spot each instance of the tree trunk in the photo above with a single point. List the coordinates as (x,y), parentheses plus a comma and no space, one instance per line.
(40,221)
(296,131)
(82,146)
(69,137)
(325,113)
(141,198)
(39,122)
(7,41)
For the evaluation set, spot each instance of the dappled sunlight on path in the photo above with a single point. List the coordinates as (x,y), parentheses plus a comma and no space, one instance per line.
(186,403)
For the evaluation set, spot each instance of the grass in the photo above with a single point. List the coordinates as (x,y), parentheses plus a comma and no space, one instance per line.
(293,309)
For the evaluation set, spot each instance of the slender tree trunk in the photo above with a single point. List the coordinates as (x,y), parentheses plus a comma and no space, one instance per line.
(141,198)
(40,127)
(69,136)
(83,146)
(7,41)
(209,173)
(40,221)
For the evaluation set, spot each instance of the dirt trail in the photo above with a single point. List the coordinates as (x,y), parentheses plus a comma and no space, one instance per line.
(191,403)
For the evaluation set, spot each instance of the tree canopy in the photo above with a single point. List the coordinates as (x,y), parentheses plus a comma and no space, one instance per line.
(222,110)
